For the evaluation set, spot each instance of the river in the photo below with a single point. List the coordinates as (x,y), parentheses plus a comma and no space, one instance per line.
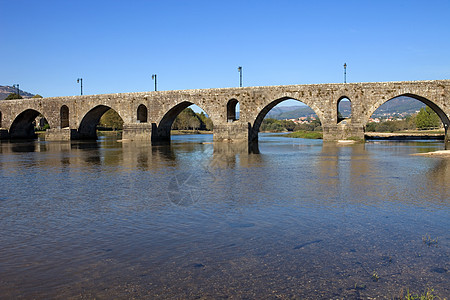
(300,219)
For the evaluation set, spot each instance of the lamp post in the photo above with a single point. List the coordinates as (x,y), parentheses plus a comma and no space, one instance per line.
(16,86)
(80,80)
(154,78)
(345,72)
(240,76)
(446,138)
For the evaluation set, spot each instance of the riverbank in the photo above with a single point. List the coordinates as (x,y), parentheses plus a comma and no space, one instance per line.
(305,134)
(413,135)
(404,135)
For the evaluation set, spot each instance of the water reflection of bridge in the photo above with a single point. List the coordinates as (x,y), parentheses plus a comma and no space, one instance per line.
(348,171)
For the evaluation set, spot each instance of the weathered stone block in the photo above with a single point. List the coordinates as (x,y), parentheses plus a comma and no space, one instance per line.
(232,132)
(137,132)
(343,131)
(57,134)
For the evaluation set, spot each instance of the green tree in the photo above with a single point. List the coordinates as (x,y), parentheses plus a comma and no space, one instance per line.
(270,124)
(37,96)
(13,96)
(371,127)
(186,120)
(315,125)
(427,118)
(288,125)
(207,124)
(111,119)
(277,127)
(410,122)
(266,124)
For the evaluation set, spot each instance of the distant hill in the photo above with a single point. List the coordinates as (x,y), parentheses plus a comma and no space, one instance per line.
(6,90)
(400,105)
(290,112)
(405,105)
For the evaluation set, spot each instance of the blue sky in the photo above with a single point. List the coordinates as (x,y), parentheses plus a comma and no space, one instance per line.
(115,46)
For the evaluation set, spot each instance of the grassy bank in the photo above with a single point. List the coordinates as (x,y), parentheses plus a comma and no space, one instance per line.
(318,134)
(305,134)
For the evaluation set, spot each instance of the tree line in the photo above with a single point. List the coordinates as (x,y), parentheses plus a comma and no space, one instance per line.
(13,96)
(190,120)
(186,120)
(425,119)
(274,125)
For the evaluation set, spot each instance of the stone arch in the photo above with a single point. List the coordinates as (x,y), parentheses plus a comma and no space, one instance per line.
(340,116)
(232,114)
(88,125)
(261,115)
(165,125)
(142,113)
(23,125)
(64,116)
(438,110)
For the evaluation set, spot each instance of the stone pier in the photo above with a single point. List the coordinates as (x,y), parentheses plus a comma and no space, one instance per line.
(345,130)
(137,132)
(4,134)
(58,134)
(236,132)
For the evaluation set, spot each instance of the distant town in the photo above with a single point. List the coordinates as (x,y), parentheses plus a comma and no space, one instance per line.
(384,118)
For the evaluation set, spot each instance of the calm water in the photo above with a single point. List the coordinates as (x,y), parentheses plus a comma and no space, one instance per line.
(301,219)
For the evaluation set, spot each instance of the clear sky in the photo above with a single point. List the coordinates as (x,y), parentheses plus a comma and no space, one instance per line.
(115,46)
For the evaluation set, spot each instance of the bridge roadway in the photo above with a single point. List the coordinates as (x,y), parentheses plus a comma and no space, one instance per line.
(149,115)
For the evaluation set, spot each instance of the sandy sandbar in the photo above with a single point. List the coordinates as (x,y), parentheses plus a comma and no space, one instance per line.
(440,153)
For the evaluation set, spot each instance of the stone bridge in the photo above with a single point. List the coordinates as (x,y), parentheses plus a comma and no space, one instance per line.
(149,115)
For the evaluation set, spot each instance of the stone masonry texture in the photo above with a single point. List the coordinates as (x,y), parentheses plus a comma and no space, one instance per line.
(84,112)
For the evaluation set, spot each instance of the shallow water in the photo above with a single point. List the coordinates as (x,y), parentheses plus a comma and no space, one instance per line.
(301,219)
